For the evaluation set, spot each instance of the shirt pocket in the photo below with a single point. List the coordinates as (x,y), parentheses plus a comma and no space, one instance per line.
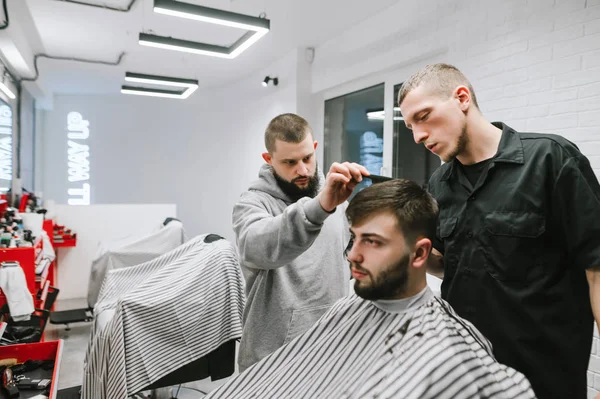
(514,246)
(447,226)
(447,235)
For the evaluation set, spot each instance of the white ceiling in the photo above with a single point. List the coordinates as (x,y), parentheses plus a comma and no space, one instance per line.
(72,30)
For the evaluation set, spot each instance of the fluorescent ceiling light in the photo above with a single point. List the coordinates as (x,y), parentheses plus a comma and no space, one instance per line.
(190,86)
(256,27)
(7,91)
(142,91)
(160,80)
(186,46)
(210,15)
(380,115)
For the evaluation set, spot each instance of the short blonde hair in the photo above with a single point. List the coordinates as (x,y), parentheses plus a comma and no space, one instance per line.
(442,78)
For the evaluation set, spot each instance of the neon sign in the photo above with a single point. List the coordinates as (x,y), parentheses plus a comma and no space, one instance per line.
(78,154)
(5,147)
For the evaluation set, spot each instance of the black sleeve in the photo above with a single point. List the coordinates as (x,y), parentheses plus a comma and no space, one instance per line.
(576,202)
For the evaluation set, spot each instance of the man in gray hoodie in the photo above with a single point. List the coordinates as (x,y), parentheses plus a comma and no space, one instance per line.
(291,234)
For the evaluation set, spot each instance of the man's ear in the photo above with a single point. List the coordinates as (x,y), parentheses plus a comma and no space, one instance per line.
(316,144)
(463,95)
(267,157)
(422,251)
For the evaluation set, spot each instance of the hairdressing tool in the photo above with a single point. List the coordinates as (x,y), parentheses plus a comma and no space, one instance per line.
(8,383)
(377,179)
(25,383)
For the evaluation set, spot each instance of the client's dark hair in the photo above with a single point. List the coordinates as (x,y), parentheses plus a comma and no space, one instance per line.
(415,209)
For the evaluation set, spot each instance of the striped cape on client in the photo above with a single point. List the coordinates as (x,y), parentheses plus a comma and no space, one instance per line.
(361,349)
(156,317)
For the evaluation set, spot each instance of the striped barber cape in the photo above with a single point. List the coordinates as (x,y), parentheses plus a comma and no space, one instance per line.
(357,350)
(131,251)
(156,317)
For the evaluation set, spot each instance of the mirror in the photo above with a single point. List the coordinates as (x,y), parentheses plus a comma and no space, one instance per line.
(6,150)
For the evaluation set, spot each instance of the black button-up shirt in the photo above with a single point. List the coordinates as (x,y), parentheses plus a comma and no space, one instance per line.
(516,246)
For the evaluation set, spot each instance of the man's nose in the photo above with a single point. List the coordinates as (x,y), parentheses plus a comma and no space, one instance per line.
(353,254)
(302,170)
(420,135)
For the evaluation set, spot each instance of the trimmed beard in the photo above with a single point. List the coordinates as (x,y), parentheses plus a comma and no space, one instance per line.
(291,189)
(390,283)
(461,145)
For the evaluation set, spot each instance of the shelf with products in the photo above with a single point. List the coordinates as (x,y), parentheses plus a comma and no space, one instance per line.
(59,235)
(29,242)
(28,259)
(38,269)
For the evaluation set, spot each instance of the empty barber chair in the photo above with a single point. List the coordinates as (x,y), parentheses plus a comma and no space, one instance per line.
(121,253)
(171,320)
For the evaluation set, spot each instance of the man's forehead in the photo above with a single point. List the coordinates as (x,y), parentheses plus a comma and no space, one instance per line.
(381,223)
(417,98)
(287,150)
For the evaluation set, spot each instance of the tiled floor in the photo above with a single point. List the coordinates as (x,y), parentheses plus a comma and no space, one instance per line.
(75,344)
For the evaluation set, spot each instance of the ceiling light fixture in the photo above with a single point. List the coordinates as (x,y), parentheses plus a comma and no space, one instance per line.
(189,86)
(7,91)
(379,115)
(267,79)
(255,27)
(4,86)
(170,43)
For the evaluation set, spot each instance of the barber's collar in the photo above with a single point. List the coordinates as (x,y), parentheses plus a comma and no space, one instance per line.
(405,304)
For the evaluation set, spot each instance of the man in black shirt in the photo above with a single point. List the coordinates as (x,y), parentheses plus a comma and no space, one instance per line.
(519,230)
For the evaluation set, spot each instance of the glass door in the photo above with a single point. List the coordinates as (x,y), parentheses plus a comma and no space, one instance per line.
(410,160)
(354,129)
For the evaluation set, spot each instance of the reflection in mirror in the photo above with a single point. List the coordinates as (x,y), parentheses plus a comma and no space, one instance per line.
(6,123)
(354,130)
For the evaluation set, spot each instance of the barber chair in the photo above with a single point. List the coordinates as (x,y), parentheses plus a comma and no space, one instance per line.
(218,364)
(85,315)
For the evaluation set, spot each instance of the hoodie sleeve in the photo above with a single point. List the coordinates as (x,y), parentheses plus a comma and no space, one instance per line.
(268,242)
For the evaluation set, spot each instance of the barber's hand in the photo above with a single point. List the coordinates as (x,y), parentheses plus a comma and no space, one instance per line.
(340,183)
(435,264)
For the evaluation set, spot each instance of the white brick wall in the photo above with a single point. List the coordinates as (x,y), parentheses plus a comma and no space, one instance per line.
(535,64)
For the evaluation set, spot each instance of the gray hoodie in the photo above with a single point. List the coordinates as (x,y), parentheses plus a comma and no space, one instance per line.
(292,258)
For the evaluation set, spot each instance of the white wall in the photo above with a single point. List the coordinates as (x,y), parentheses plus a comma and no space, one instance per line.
(199,153)
(534,64)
